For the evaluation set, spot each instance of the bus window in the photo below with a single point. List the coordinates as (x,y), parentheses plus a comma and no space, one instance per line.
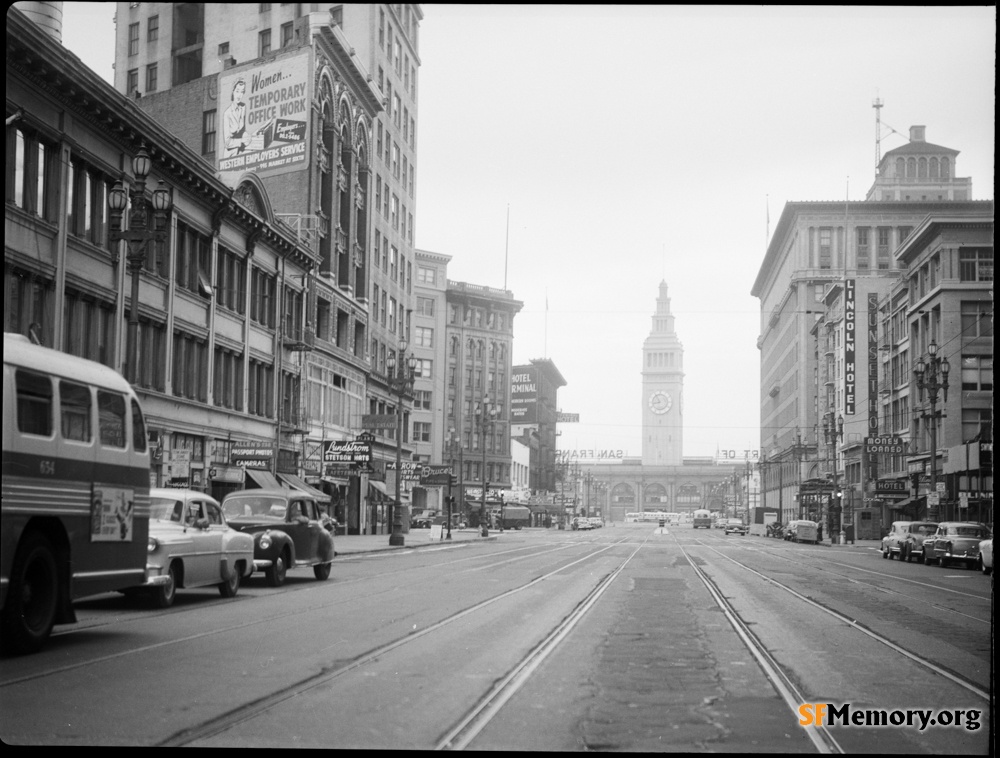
(111,416)
(34,403)
(74,400)
(138,428)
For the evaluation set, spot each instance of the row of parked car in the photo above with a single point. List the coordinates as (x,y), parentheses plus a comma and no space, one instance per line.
(930,542)
(195,541)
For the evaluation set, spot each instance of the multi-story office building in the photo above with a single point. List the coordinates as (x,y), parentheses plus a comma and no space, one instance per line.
(947,302)
(218,322)
(434,441)
(827,267)
(479,335)
(315,105)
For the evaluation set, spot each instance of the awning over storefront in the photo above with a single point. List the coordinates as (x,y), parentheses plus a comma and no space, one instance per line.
(904,505)
(263,479)
(378,489)
(295,483)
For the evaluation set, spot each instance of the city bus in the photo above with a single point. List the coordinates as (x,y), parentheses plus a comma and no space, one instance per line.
(702,519)
(647,517)
(74,519)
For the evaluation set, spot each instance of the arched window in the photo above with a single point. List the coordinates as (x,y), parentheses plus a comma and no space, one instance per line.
(911,167)
(945,168)
(900,168)
(934,168)
(922,168)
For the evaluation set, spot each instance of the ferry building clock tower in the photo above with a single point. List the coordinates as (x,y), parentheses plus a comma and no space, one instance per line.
(662,389)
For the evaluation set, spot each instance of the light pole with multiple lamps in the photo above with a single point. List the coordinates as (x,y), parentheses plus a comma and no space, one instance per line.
(147,222)
(932,375)
(454,443)
(832,432)
(400,378)
(486,416)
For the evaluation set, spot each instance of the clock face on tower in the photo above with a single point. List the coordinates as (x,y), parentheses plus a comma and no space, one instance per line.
(659,401)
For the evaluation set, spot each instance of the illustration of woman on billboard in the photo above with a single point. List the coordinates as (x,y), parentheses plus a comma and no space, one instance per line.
(235,122)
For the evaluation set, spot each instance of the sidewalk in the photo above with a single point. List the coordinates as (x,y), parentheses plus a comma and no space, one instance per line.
(352,544)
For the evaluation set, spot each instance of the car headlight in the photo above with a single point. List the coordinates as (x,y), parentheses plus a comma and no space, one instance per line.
(265,541)
(152,545)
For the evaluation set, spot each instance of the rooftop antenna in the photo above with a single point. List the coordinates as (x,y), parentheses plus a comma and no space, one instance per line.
(877,105)
(506,249)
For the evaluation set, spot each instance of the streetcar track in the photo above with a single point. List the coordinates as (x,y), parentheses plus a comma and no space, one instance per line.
(953,677)
(311,586)
(257,708)
(777,553)
(467,728)
(306,586)
(767,549)
(821,738)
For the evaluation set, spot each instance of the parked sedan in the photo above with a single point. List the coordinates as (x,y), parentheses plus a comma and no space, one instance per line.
(955,541)
(906,538)
(986,556)
(191,545)
(287,528)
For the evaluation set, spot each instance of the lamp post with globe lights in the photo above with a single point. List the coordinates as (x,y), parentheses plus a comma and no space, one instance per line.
(832,432)
(401,376)
(932,376)
(486,416)
(147,223)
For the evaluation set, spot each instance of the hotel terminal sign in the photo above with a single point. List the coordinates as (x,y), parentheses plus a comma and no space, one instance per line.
(524,396)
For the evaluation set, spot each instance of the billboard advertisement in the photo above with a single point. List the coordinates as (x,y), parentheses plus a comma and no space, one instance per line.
(265,121)
(524,396)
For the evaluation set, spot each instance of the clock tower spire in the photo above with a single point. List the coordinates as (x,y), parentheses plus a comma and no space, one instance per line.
(662,389)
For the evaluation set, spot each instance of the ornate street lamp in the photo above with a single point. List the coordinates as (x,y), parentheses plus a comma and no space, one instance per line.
(486,416)
(454,443)
(932,375)
(400,378)
(832,432)
(147,222)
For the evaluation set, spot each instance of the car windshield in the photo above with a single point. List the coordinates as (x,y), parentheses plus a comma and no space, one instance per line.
(967,531)
(923,528)
(258,507)
(165,509)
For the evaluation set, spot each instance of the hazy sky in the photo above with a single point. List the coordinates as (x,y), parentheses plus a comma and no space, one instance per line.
(634,144)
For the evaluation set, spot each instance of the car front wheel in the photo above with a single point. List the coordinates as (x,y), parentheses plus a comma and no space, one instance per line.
(230,587)
(275,573)
(983,567)
(322,571)
(164,594)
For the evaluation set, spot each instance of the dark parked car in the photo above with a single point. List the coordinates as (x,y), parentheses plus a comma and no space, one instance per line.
(288,528)
(955,541)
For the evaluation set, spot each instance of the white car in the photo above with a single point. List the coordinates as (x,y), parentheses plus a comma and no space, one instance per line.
(190,545)
(986,556)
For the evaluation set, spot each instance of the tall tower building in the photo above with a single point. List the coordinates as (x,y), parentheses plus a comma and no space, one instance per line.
(662,389)
(314,108)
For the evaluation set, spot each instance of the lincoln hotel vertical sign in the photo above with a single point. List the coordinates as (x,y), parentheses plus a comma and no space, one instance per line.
(850,336)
